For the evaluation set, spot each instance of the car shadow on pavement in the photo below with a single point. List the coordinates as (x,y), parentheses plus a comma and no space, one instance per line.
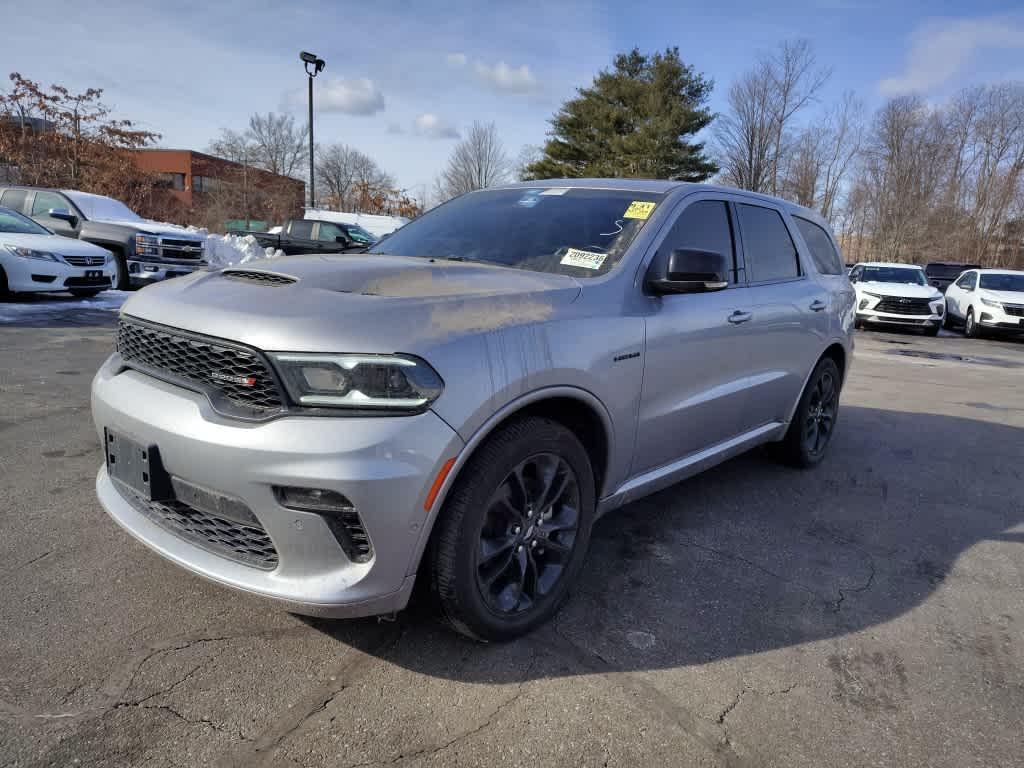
(753,556)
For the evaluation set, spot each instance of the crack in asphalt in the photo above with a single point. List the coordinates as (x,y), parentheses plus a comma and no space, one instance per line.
(437,749)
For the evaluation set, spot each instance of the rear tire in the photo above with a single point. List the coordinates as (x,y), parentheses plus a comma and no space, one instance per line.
(513,534)
(814,421)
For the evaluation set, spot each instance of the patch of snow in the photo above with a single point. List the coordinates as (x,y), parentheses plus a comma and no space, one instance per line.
(33,306)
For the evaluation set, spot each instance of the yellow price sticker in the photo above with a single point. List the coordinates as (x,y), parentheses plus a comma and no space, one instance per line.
(639,209)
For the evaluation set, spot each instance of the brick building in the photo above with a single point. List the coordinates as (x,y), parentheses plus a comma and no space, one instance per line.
(190,175)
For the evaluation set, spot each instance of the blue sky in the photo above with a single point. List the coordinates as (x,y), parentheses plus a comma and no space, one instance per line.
(403,79)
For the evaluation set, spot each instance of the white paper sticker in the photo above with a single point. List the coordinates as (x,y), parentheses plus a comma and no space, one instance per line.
(585,259)
(555,191)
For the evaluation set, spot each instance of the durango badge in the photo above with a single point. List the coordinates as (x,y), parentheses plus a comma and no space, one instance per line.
(245,381)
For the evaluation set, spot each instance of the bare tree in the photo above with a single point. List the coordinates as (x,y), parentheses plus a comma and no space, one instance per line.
(478,161)
(528,155)
(350,176)
(272,142)
(751,136)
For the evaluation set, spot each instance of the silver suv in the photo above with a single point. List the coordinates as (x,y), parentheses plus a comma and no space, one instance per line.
(463,401)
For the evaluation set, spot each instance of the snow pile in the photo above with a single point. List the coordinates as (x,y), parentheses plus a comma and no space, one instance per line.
(227,250)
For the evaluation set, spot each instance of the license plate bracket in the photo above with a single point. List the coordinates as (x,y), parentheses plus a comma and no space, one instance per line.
(137,466)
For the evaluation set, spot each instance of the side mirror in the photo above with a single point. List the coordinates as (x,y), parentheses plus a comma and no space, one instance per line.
(64,215)
(691,271)
(343,240)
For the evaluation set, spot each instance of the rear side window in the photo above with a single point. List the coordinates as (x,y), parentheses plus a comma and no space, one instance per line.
(301,229)
(703,226)
(14,199)
(823,252)
(768,250)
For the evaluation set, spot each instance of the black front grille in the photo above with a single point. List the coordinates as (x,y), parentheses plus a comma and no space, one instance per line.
(259,278)
(172,248)
(903,306)
(237,379)
(85,261)
(1017,310)
(244,543)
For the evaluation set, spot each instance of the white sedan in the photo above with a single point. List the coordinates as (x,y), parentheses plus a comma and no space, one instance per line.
(896,294)
(33,259)
(986,299)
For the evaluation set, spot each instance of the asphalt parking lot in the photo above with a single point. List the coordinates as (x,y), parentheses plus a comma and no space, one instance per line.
(867,613)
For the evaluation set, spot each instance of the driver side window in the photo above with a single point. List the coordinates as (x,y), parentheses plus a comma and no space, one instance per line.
(329,232)
(967,281)
(703,226)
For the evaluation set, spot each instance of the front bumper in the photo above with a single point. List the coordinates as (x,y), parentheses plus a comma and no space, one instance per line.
(141,272)
(868,317)
(384,466)
(36,275)
(998,319)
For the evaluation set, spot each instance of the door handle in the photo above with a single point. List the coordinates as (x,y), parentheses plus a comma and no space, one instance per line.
(818,305)
(739,316)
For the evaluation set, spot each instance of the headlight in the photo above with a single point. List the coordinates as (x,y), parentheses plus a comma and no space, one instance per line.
(28,253)
(147,245)
(369,382)
(873,295)
(990,302)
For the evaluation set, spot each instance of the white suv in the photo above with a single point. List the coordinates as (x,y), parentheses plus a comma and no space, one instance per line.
(896,294)
(986,299)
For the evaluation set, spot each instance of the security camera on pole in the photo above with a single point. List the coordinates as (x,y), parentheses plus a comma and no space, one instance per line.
(314,66)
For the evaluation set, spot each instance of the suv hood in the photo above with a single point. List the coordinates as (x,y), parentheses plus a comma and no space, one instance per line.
(910,290)
(64,246)
(355,303)
(154,228)
(1007,297)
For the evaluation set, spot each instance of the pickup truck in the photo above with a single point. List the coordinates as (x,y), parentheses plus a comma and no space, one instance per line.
(145,251)
(315,236)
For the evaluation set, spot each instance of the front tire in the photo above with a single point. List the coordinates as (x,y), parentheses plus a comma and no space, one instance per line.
(513,534)
(931,330)
(122,280)
(970,326)
(814,422)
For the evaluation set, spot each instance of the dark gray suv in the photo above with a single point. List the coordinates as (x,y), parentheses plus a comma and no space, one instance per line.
(462,402)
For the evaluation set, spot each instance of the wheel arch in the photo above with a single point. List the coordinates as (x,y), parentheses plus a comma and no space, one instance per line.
(577,409)
(838,353)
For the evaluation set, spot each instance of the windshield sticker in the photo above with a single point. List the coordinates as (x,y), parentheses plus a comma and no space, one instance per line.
(639,209)
(555,191)
(585,259)
(530,198)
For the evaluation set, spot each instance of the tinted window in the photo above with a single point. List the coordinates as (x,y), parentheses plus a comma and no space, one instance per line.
(45,201)
(301,228)
(329,232)
(703,226)
(768,249)
(565,230)
(360,235)
(14,198)
(823,252)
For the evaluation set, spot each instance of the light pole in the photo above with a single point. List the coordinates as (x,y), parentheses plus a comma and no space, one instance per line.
(314,66)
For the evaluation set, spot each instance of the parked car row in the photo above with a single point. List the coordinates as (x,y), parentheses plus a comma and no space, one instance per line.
(142,251)
(978,300)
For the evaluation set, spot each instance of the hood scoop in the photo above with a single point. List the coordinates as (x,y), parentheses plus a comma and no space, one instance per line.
(268,279)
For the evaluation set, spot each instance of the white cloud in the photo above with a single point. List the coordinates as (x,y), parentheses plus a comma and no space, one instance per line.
(429,124)
(357,96)
(942,49)
(502,77)
(456,59)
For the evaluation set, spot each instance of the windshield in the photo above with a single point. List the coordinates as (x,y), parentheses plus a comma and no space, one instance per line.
(1003,282)
(15,224)
(569,231)
(359,234)
(98,207)
(912,275)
